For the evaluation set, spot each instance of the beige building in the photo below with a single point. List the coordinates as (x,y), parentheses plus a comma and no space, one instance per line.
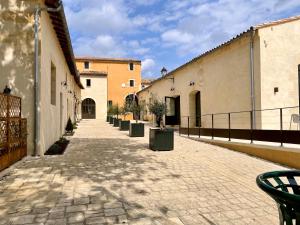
(258,69)
(58,83)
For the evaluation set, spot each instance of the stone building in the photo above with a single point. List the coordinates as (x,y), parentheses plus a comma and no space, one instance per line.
(57,82)
(258,69)
(107,82)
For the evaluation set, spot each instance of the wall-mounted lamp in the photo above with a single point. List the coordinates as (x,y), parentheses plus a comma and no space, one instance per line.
(6,90)
(172,89)
(192,83)
(70,92)
(276,90)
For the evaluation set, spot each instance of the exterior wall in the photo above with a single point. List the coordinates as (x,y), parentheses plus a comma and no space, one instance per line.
(118,73)
(53,118)
(222,77)
(280,57)
(17,56)
(97,92)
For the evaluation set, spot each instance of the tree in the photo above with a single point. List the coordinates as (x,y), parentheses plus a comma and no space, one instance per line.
(159,109)
(136,109)
(125,109)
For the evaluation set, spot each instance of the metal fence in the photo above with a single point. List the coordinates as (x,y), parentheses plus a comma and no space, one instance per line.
(272,125)
(13,131)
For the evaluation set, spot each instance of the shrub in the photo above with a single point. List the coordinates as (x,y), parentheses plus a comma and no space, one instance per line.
(69,127)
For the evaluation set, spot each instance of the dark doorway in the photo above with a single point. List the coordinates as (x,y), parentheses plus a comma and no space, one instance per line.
(88,109)
(173,110)
(198,108)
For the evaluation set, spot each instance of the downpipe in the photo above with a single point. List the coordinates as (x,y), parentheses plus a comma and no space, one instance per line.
(37,12)
(252,83)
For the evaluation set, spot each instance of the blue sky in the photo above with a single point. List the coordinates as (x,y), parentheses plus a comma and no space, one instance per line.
(164,33)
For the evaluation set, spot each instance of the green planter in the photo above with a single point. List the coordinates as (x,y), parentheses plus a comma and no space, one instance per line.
(161,140)
(116,122)
(136,130)
(124,125)
(111,120)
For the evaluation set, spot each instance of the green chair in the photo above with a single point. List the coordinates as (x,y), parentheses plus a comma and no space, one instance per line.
(282,186)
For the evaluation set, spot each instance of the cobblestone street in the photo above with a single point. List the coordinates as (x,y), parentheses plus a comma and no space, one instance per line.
(106,177)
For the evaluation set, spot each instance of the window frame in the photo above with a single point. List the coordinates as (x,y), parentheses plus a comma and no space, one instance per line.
(130,82)
(129,65)
(86,63)
(53,88)
(88,80)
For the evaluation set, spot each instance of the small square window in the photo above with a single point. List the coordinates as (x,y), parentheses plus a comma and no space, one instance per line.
(88,82)
(86,65)
(131,66)
(131,83)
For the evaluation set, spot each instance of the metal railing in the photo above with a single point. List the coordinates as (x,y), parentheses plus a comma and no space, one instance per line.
(283,123)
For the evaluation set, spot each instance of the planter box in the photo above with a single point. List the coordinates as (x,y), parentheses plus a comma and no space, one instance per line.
(116,122)
(136,130)
(111,120)
(124,125)
(161,140)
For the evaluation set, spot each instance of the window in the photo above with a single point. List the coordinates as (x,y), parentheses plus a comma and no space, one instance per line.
(88,82)
(131,83)
(53,84)
(131,66)
(86,65)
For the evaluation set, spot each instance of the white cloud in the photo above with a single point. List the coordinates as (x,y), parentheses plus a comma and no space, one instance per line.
(147,67)
(177,36)
(102,45)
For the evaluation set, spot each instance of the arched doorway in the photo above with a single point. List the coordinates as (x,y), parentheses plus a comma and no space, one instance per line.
(88,109)
(130,98)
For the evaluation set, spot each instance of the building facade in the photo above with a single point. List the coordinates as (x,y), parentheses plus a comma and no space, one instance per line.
(109,81)
(258,69)
(58,83)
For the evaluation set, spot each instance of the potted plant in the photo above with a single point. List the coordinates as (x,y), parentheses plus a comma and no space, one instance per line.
(161,138)
(124,124)
(116,112)
(69,127)
(136,129)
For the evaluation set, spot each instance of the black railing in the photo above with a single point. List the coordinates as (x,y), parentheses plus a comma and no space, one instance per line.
(272,125)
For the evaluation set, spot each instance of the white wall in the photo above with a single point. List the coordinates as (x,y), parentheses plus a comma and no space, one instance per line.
(97,92)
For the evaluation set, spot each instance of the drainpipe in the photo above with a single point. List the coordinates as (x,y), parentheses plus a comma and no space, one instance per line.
(38,10)
(252,84)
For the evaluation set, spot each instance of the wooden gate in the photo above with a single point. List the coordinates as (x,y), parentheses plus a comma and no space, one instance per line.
(13,131)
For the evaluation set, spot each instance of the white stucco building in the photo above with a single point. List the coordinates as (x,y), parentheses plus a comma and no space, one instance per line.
(258,69)
(58,84)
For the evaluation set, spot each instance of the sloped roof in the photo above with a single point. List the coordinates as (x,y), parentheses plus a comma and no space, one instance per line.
(103,59)
(60,26)
(251,29)
(93,72)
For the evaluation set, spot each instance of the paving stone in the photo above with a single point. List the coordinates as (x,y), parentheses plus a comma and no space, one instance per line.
(105,176)
(114,212)
(96,220)
(24,219)
(76,208)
